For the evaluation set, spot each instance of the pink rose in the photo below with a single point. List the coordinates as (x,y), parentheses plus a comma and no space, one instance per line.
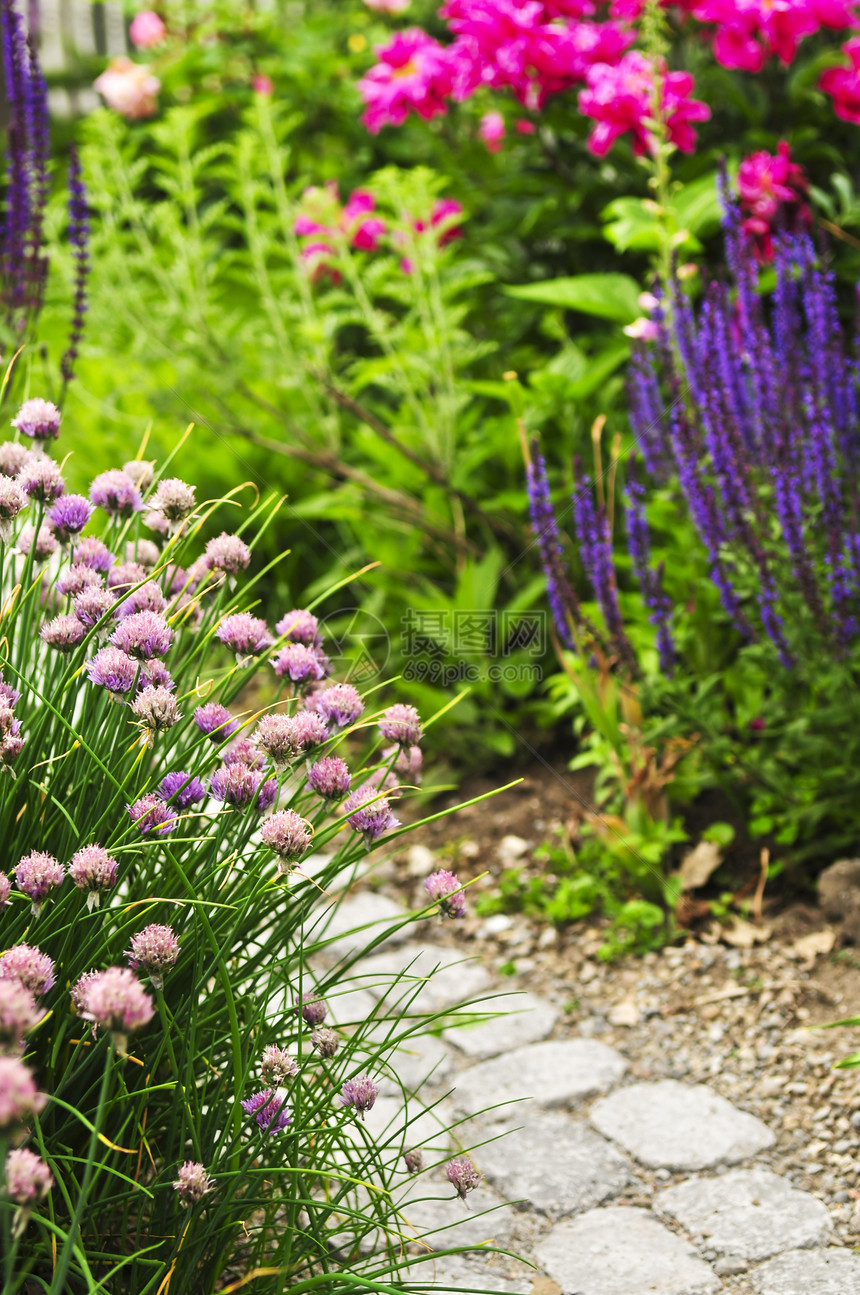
(147,30)
(492,130)
(129,88)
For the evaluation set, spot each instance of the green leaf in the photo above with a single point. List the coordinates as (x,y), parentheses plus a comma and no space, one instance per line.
(609,296)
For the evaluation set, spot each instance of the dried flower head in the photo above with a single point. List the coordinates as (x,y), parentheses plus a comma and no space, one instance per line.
(275,734)
(42,480)
(244,634)
(28,964)
(151,815)
(276,1066)
(215,721)
(92,869)
(14,458)
(19,1099)
(360,1094)
(113,669)
(115,1000)
(192,1183)
(154,950)
(156,710)
(369,813)
(298,663)
(69,516)
(18,1014)
(269,1109)
(141,472)
(325,1041)
(12,500)
(309,730)
(43,545)
(90,551)
(37,875)
(116,493)
(235,784)
(287,833)
(76,578)
(227,553)
(463,1175)
(28,1179)
(143,635)
(401,724)
(299,626)
(445,889)
(329,777)
(414,1160)
(38,419)
(174,500)
(339,706)
(92,604)
(64,633)
(182,788)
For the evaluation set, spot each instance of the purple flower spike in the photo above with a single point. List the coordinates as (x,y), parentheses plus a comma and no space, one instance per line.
(192,1183)
(329,778)
(401,724)
(69,516)
(288,835)
(463,1175)
(113,669)
(339,706)
(215,721)
(37,875)
(182,788)
(116,493)
(38,419)
(151,815)
(41,480)
(92,869)
(245,635)
(269,1109)
(299,626)
(154,950)
(369,813)
(79,239)
(116,1001)
(360,1094)
(28,964)
(144,635)
(64,633)
(235,784)
(444,889)
(227,553)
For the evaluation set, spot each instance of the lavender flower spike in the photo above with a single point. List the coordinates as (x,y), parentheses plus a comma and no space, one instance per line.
(79,238)
(562,599)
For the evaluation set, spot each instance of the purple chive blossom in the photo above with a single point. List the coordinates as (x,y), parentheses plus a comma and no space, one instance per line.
(173,500)
(325,1042)
(215,721)
(28,964)
(11,745)
(369,813)
(141,471)
(408,761)
(288,835)
(276,1066)
(113,669)
(64,633)
(269,1108)
(243,751)
(19,1100)
(227,553)
(445,889)
(414,1160)
(146,598)
(125,575)
(156,710)
(142,551)
(79,240)
(37,875)
(78,991)
(5,889)
(309,730)
(28,1180)
(339,706)
(298,663)
(115,1000)
(268,795)
(154,675)
(92,604)
(235,784)
(18,1014)
(76,578)
(154,950)
(562,600)
(143,635)
(14,458)
(275,735)
(313,1009)
(462,1175)
(69,516)
(92,869)
(41,480)
(92,552)
(299,626)
(401,724)
(12,500)
(329,778)
(192,1183)
(359,1094)
(150,816)
(116,493)
(43,545)
(182,788)
(7,693)
(38,419)
(245,635)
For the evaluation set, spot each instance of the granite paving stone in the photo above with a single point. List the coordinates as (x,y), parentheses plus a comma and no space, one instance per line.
(810,1272)
(453,1271)
(670,1125)
(522,1019)
(746,1214)
(449,978)
(358,919)
(558,1073)
(432,1212)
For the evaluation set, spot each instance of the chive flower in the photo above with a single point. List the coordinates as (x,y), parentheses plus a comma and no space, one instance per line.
(298,663)
(192,1183)
(69,516)
(151,816)
(288,835)
(215,721)
(116,493)
(92,869)
(462,1175)
(156,710)
(37,874)
(276,1065)
(369,813)
(90,551)
(12,500)
(227,554)
(143,635)
(41,480)
(299,626)
(329,778)
(28,964)
(28,1179)
(64,633)
(154,950)
(275,734)
(325,1041)
(115,1000)
(113,669)
(244,634)
(339,706)
(359,1094)
(444,888)
(19,1100)
(401,724)
(269,1108)
(39,419)
(18,1014)
(182,788)
(76,578)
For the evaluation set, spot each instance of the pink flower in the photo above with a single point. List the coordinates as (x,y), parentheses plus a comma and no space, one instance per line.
(147,30)
(414,74)
(129,88)
(750,31)
(361,228)
(773,192)
(844,84)
(388,6)
(262,84)
(525,127)
(447,213)
(492,130)
(619,99)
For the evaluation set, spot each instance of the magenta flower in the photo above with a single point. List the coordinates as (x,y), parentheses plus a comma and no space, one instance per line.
(843,83)
(115,1000)
(38,419)
(414,74)
(69,516)
(299,626)
(28,1179)
(143,635)
(116,493)
(113,669)
(360,1094)
(28,964)
(491,129)
(215,721)
(154,675)
(92,869)
(270,1109)
(192,1182)
(363,229)
(155,950)
(19,1099)
(288,835)
(444,888)
(150,816)
(329,778)
(37,875)
(463,1175)
(245,635)
(227,553)
(773,192)
(146,30)
(619,100)
(18,1014)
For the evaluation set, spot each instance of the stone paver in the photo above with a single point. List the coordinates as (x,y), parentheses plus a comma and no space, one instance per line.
(526,1019)
(561,1072)
(431,1211)
(810,1272)
(622,1251)
(452,1271)
(746,1213)
(557,1165)
(424,1061)
(670,1125)
(449,978)
(363,910)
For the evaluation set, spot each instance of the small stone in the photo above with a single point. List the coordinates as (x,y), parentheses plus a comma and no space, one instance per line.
(855,1120)
(747,1213)
(512,849)
(730,1267)
(622,1251)
(555,1165)
(810,1272)
(679,1126)
(496,924)
(526,1019)
(624,1013)
(420,861)
(548,938)
(561,1073)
